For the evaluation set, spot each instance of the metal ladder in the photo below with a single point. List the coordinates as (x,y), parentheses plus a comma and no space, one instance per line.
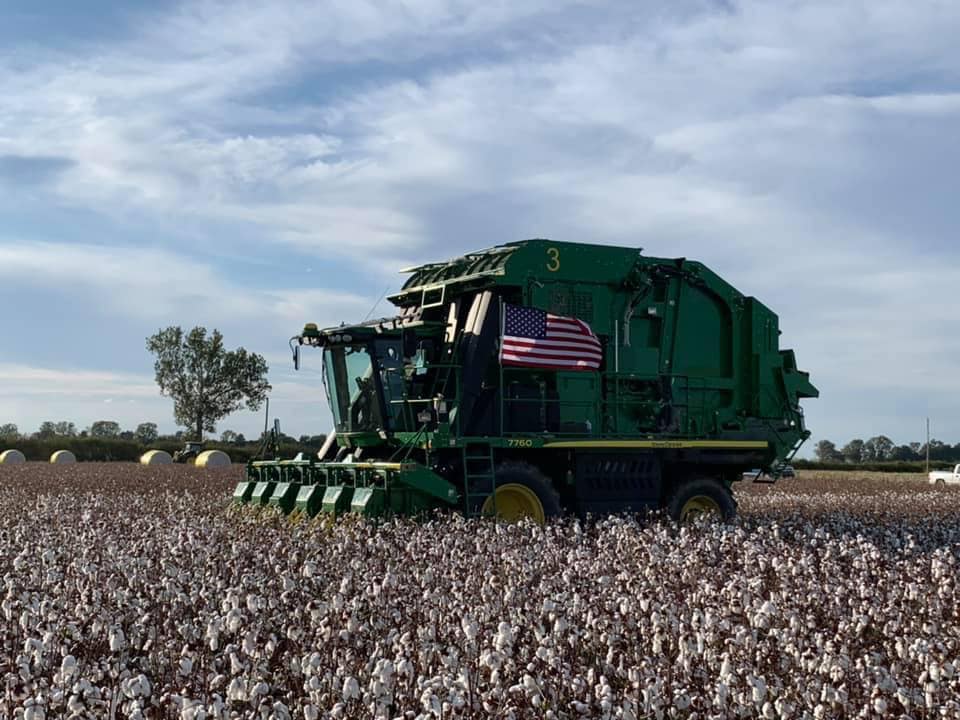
(479,477)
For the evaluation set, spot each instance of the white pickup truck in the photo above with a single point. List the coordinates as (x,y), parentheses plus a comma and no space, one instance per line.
(943,478)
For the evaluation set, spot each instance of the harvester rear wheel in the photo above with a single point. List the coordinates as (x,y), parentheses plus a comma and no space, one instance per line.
(522,492)
(701,497)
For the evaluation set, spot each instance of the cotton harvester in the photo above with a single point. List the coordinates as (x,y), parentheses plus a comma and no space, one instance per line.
(543,377)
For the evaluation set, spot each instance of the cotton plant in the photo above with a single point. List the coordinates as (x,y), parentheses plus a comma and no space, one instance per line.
(134,592)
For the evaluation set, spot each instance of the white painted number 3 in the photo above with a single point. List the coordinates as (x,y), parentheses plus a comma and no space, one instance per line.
(554,263)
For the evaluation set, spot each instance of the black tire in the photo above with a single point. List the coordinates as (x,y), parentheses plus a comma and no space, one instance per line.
(704,488)
(531,477)
(940,482)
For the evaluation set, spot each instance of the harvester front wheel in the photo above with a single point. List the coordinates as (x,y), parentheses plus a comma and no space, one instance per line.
(522,492)
(701,497)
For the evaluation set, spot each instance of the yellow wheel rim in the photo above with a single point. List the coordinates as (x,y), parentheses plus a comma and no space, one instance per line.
(699,506)
(513,502)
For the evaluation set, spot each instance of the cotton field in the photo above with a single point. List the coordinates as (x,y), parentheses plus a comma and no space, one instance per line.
(131,591)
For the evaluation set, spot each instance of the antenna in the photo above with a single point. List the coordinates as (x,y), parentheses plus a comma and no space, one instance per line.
(379,300)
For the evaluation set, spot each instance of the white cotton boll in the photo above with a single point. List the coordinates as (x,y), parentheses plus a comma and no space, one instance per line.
(310,712)
(431,703)
(504,637)
(759,689)
(192,710)
(470,629)
(75,705)
(351,689)
(117,640)
(237,691)
(234,621)
(880,706)
(261,688)
(68,667)
(250,643)
(237,666)
(185,667)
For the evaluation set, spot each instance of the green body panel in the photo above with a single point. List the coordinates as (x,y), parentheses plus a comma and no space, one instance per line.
(262,492)
(368,502)
(336,499)
(310,499)
(692,372)
(243,491)
(284,496)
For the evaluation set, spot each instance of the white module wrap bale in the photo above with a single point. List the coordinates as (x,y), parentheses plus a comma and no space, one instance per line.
(63,457)
(212,459)
(156,457)
(12,457)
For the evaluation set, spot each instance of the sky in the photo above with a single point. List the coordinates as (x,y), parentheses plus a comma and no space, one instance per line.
(253,166)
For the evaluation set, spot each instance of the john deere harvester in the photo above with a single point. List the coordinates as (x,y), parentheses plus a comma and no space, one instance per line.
(543,377)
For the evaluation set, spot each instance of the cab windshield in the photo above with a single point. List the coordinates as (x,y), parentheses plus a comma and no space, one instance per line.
(351,388)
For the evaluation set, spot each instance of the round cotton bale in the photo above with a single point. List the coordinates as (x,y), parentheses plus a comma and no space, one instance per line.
(12,457)
(212,459)
(63,457)
(156,457)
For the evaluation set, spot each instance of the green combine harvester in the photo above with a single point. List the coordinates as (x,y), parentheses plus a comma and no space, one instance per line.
(542,377)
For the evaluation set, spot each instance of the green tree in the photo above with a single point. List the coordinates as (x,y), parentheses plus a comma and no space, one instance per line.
(939,451)
(826,451)
(9,431)
(206,381)
(228,436)
(853,451)
(313,441)
(878,449)
(146,433)
(105,429)
(903,453)
(47,430)
(65,429)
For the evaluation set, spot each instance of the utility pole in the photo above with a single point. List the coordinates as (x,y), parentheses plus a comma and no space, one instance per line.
(928,446)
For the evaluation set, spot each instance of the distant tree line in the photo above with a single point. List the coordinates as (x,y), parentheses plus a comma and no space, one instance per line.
(104,440)
(881,449)
(145,433)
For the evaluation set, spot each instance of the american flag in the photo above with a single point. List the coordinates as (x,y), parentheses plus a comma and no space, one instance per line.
(535,338)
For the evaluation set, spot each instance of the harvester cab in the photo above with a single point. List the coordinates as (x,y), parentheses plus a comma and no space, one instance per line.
(540,376)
